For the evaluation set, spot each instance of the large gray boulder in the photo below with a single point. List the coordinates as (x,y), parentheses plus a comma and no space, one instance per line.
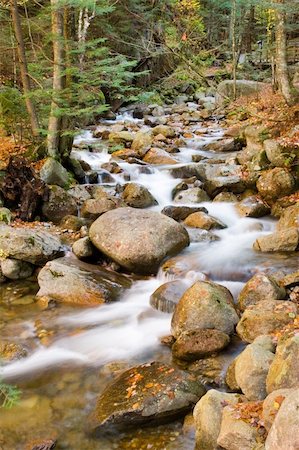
(138,240)
(52,172)
(138,196)
(146,394)
(59,204)
(71,281)
(28,244)
(205,305)
(225,90)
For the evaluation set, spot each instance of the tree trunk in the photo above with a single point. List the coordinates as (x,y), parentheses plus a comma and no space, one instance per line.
(282,74)
(234,47)
(23,66)
(55,120)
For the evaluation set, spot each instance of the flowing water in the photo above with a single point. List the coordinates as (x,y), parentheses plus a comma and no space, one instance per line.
(72,353)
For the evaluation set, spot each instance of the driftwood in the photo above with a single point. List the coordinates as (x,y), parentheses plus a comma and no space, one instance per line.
(22,188)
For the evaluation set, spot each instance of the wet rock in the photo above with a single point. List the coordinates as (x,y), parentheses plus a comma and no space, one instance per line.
(53,173)
(140,111)
(80,193)
(259,288)
(228,197)
(121,137)
(83,248)
(199,235)
(125,154)
(252,366)
(272,404)
(138,240)
(138,196)
(197,158)
(280,241)
(158,156)
(181,212)
(282,203)
(204,305)
(142,142)
(71,281)
(193,345)
(145,394)
(15,269)
(99,205)
(290,280)
(208,415)
(235,433)
(10,351)
(284,370)
(275,183)
(187,171)
(230,377)
(284,431)
(59,204)
(252,207)
(112,167)
(30,245)
(192,195)
(223,177)
(222,145)
(265,318)
(165,130)
(166,297)
(204,221)
(5,216)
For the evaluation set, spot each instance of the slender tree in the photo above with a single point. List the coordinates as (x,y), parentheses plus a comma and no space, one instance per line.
(23,66)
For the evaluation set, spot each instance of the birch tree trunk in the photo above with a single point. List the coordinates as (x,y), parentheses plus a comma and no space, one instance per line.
(282,74)
(23,66)
(54,125)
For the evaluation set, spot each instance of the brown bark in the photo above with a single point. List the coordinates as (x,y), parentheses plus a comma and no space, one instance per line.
(23,66)
(282,74)
(55,120)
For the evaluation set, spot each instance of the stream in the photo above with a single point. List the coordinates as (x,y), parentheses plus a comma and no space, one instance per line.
(78,351)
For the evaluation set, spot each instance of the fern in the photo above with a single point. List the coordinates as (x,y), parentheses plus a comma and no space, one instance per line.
(9,395)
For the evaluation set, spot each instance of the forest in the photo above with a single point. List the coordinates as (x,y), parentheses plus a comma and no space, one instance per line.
(149,224)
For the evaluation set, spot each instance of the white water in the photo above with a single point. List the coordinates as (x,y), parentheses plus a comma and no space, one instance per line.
(128,328)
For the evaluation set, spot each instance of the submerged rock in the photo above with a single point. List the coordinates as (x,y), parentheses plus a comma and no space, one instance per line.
(68,280)
(205,305)
(150,393)
(166,297)
(30,245)
(138,240)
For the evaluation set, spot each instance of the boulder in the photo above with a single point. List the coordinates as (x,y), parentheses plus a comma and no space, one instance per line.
(181,212)
(284,431)
(138,240)
(121,137)
(222,145)
(83,248)
(259,288)
(192,195)
(68,280)
(278,156)
(138,196)
(166,297)
(236,433)
(222,177)
(14,269)
(289,218)
(252,366)
(28,244)
(95,207)
(205,305)
(272,404)
(208,415)
(5,216)
(192,345)
(73,223)
(253,207)
(165,130)
(53,173)
(80,193)
(227,197)
(158,156)
(280,241)
(204,221)
(230,377)
(284,370)
(275,183)
(264,318)
(225,90)
(59,204)
(199,235)
(142,142)
(146,394)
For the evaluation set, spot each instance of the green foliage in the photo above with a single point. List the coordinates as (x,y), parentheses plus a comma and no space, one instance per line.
(9,395)
(13,115)
(148,98)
